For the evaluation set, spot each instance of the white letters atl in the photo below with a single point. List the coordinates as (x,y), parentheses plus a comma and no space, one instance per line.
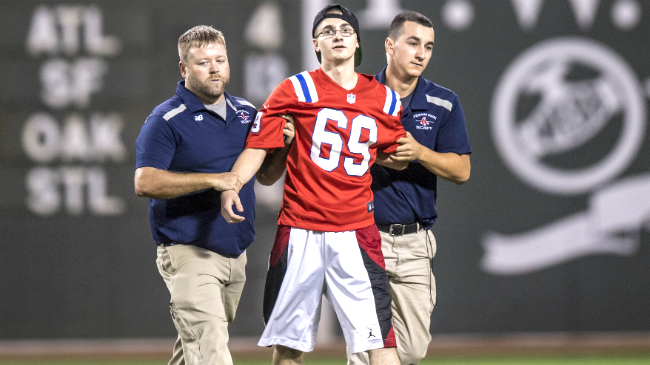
(57,31)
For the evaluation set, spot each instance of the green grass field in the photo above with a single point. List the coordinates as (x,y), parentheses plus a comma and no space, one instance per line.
(474,360)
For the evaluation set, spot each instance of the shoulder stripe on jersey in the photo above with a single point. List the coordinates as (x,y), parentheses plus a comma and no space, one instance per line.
(246,102)
(172,113)
(441,102)
(392,104)
(304,87)
(297,88)
(398,105)
(389,100)
(231,106)
(310,86)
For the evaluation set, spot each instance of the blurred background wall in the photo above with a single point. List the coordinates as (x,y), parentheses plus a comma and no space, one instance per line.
(550,234)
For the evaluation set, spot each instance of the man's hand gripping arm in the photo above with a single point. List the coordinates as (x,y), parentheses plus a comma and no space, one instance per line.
(449,166)
(245,167)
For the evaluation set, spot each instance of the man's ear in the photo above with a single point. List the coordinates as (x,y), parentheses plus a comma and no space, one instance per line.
(183,68)
(389,44)
(315,41)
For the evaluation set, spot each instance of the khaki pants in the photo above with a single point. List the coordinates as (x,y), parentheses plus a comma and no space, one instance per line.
(413,287)
(205,288)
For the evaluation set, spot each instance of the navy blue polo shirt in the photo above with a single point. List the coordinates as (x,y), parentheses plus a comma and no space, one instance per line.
(182,135)
(435,119)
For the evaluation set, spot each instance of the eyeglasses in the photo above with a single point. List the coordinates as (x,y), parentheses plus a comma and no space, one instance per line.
(329,33)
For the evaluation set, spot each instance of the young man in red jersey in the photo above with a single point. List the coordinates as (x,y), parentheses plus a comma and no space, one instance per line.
(327,242)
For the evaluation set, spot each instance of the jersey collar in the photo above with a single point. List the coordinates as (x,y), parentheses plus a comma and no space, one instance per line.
(194,104)
(362,88)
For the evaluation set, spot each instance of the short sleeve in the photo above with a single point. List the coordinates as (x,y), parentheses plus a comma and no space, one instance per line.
(452,136)
(398,132)
(156,144)
(266,131)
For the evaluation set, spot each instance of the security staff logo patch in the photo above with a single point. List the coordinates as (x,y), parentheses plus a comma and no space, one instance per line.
(423,122)
(244,116)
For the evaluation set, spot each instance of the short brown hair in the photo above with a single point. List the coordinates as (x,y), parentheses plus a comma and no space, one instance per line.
(197,37)
(397,24)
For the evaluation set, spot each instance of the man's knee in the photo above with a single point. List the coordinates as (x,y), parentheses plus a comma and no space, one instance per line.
(286,355)
(204,342)
(411,353)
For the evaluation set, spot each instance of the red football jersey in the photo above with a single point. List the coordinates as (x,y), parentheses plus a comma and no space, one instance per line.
(338,132)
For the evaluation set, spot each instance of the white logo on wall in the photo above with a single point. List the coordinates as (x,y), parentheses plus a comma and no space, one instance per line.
(568,113)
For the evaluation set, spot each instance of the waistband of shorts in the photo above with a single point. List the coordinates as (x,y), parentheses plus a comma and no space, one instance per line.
(167,244)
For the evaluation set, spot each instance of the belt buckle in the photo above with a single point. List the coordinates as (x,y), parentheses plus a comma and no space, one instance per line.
(390,231)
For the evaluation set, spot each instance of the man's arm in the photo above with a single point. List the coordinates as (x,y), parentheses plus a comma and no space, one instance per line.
(154,183)
(246,166)
(449,166)
(276,162)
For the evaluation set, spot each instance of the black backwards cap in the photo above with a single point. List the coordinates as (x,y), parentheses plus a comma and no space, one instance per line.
(346,15)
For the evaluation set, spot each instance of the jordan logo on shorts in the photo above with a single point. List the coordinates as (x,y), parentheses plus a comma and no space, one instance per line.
(371,335)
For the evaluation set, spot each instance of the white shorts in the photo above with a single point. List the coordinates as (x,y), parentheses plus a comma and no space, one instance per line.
(348,268)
